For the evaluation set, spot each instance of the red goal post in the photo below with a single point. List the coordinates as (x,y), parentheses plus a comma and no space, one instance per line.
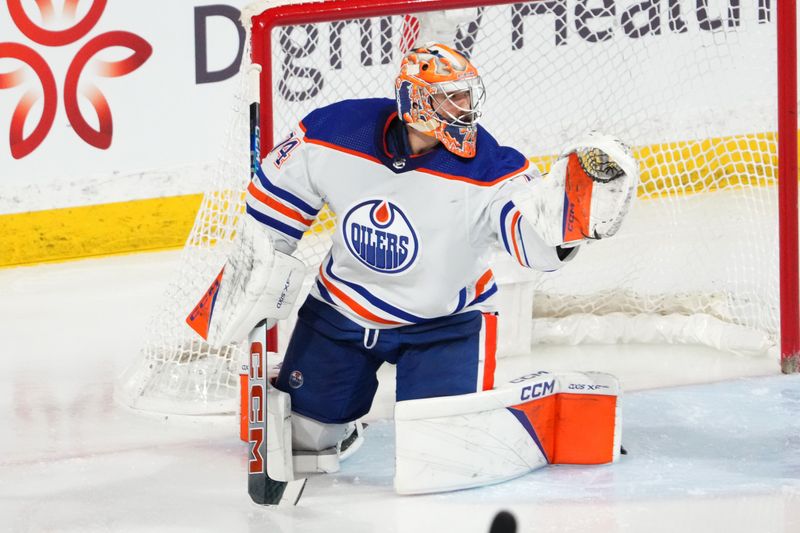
(787,180)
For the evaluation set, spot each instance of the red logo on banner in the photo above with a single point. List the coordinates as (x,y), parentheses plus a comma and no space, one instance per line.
(79,80)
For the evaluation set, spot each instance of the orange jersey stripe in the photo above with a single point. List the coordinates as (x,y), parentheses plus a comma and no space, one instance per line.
(480,285)
(343,149)
(473,181)
(277,206)
(490,350)
(514,237)
(420,169)
(352,304)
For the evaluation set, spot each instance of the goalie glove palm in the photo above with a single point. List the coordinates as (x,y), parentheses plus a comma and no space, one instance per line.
(586,195)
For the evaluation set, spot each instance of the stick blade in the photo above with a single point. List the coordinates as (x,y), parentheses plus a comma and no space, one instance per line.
(264,490)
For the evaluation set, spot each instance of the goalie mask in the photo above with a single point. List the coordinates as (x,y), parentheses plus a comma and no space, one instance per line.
(440,93)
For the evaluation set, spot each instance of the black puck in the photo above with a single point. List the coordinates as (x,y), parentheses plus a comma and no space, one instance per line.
(504,522)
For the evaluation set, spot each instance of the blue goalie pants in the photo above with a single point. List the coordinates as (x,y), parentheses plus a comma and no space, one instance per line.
(331,362)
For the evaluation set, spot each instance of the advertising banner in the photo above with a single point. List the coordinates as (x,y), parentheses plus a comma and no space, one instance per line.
(111,100)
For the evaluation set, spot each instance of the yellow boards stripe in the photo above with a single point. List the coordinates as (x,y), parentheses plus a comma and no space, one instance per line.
(77,232)
(673,169)
(687,167)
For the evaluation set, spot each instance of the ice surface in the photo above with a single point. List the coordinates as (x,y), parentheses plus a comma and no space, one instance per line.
(723,456)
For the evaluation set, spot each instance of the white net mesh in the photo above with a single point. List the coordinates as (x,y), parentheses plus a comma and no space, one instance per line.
(690,85)
(176,371)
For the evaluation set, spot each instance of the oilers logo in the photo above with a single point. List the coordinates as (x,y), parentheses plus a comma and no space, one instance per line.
(380,235)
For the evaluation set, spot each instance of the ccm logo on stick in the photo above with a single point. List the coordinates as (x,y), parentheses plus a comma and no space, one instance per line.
(256,411)
(537,390)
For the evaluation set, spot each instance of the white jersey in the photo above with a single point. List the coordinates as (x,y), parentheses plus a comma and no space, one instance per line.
(414,234)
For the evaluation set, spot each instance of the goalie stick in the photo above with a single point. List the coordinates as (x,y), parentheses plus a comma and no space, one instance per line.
(262,489)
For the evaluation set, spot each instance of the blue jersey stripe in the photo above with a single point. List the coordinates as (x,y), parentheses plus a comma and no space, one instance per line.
(485,296)
(380,304)
(522,242)
(283,194)
(503,215)
(324,293)
(275,224)
(462,300)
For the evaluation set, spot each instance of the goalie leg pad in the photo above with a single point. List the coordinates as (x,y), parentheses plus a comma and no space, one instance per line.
(471,440)
(279,435)
(311,435)
(294,454)
(319,447)
(297,445)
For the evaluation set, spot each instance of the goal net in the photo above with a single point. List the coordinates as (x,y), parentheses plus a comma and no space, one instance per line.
(690,85)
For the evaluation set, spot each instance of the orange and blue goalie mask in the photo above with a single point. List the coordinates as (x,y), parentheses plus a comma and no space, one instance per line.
(440,93)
